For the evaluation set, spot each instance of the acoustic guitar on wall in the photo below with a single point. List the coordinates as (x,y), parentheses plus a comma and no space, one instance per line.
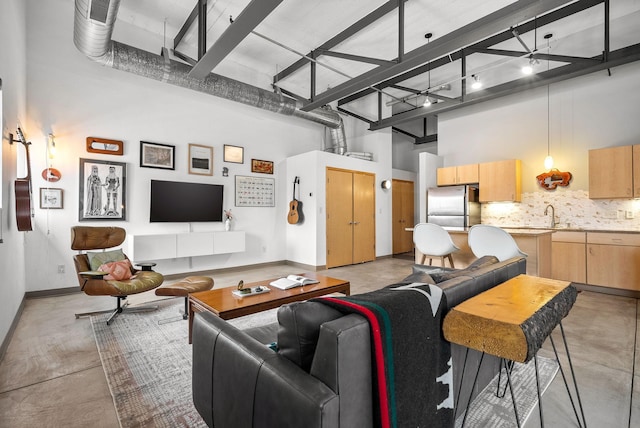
(295,206)
(24,210)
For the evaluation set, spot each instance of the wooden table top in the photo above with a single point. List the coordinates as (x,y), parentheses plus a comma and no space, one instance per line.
(512,319)
(226,305)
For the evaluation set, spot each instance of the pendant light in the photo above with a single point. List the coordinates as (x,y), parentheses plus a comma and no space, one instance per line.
(427,101)
(548,161)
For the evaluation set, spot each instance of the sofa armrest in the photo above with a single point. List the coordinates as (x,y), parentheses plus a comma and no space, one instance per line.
(240,382)
(342,361)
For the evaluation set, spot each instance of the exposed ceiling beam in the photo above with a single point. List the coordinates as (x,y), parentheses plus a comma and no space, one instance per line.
(520,11)
(569,71)
(537,55)
(341,37)
(187,24)
(352,57)
(246,22)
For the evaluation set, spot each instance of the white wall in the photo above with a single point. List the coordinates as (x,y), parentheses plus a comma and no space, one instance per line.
(588,112)
(12,73)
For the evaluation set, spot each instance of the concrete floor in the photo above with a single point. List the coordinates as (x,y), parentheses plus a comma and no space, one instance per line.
(51,375)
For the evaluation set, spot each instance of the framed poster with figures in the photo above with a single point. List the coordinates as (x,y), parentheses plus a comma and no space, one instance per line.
(102,190)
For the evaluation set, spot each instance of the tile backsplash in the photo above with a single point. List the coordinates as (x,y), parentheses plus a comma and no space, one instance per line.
(573,209)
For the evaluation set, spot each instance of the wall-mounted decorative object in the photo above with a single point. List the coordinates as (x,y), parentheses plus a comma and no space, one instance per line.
(225,171)
(233,154)
(102,190)
(554,178)
(154,155)
(261,166)
(104,146)
(51,175)
(255,191)
(200,159)
(50,198)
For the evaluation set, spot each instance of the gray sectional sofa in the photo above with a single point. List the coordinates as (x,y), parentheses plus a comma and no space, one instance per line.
(320,375)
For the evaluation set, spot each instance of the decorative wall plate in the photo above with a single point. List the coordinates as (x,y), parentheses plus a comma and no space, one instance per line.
(554,178)
(51,175)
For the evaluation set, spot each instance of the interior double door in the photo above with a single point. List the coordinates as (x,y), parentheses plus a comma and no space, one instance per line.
(402,216)
(351,226)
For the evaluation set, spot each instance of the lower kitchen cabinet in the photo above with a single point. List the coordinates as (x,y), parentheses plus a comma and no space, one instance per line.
(613,260)
(568,254)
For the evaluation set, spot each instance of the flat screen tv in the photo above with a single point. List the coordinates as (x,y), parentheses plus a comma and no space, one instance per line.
(173,201)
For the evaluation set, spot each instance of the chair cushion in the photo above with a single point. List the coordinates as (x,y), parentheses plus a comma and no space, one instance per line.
(97,258)
(118,271)
(299,328)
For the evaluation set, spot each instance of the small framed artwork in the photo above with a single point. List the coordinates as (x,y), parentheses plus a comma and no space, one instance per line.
(104,146)
(154,155)
(50,198)
(261,166)
(233,154)
(102,190)
(200,159)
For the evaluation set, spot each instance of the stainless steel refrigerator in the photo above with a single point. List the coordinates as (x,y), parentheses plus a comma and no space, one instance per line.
(453,206)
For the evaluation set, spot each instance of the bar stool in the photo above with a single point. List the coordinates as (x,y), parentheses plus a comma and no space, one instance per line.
(433,241)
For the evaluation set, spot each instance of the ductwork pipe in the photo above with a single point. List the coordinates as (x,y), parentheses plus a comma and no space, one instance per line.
(93,27)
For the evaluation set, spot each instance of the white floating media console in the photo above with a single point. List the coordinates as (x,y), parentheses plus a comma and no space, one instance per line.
(144,248)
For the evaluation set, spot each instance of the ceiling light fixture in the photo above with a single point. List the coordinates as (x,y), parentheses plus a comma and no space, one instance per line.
(427,101)
(528,69)
(477,84)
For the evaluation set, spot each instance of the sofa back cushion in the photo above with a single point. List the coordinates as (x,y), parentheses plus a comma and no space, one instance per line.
(298,329)
(478,265)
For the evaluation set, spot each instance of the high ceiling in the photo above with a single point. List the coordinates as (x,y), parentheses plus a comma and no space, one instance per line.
(373,59)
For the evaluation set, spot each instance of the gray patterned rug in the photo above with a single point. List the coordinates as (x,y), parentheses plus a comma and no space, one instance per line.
(147,362)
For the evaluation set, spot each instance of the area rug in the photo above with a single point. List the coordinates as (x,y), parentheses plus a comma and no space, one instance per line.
(489,410)
(147,362)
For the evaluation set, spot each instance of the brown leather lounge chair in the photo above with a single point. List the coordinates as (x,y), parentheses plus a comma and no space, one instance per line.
(94,282)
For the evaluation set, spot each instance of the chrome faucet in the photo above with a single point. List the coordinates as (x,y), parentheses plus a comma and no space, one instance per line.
(553,214)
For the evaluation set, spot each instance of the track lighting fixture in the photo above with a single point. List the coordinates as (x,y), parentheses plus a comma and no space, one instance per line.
(477,84)
(427,101)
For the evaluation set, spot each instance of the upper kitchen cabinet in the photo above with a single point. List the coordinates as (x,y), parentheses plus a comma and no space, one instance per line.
(613,172)
(452,175)
(500,181)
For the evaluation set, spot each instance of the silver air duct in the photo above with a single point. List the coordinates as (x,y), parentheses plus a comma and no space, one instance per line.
(93,26)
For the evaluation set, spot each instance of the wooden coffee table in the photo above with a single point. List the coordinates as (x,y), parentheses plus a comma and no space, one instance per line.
(223,303)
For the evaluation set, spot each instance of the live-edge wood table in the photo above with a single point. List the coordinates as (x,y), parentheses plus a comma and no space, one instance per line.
(223,303)
(511,321)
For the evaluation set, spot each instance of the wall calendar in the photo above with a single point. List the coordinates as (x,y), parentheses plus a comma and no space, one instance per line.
(255,191)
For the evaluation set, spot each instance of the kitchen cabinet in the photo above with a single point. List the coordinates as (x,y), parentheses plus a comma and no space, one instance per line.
(500,181)
(350,215)
(613,260)
(402,215)
(568,256)
(462,174)
(611,172)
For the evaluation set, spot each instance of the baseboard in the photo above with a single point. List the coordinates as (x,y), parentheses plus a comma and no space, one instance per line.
(12,329)
(51,293)
(607,290)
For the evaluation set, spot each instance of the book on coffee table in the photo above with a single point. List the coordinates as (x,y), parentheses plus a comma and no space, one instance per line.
(292,281)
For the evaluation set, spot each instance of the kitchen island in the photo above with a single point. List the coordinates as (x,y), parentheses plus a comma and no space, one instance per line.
(535,242)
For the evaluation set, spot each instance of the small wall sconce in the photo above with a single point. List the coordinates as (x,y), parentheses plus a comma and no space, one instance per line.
(386,184)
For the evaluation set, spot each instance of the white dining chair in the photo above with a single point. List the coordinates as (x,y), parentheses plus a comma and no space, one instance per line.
(488,240)
(433,241)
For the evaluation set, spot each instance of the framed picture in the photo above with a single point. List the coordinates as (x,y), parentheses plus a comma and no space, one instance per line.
(50,198)
(233,154)
(200,159)
(102,190)
(104,146)
(261,166)
(255,191)
(154,155)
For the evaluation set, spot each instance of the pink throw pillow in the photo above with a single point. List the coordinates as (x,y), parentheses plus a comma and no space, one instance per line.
(117,270)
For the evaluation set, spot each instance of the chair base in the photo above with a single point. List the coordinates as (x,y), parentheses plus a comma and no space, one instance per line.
(121,306)
(448,256)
